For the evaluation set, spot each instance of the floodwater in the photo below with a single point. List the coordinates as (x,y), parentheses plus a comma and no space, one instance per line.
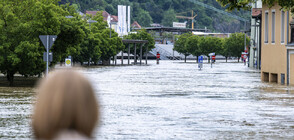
(173,100)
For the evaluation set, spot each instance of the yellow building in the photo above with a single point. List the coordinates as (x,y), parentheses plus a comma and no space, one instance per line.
(277,60)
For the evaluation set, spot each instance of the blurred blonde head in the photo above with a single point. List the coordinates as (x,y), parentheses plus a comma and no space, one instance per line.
(65,101)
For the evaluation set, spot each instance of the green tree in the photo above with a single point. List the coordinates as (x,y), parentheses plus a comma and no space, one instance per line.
(245,4)
(21,24)
(210,45)
(181,45)
(235,43)
(193,46)
(225,51)
(141,35)
(169,17)
(143,18)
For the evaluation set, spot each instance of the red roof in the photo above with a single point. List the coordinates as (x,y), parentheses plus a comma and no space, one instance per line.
(114,19)
(256,12)
(136,25)
(104,14)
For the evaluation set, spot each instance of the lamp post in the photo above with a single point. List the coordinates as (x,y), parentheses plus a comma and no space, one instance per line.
(90,22)
(70,57)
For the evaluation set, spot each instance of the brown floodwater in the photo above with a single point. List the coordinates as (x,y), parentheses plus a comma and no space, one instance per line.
(173,100)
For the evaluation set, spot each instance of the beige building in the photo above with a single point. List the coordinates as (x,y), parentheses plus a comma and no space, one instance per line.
(277,60)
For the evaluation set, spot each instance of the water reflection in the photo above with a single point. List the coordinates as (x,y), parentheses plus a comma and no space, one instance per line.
(175,100)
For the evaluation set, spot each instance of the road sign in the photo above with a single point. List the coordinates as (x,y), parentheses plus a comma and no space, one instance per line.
(67,62)
(47,41)
(213,57)
(200,62)
(50,56)
(52,39)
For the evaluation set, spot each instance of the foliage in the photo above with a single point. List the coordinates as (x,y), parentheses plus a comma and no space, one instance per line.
(187,44)
(193,46)
(163,11)
(235,44)
(169,17)
(142,35)
(245,4)
(181,44)
(21,24)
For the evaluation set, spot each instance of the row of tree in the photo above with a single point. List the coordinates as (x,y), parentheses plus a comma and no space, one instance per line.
(164,12)
(21,23)
(188,44)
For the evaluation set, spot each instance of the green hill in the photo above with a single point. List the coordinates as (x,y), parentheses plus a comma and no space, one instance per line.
(164,12)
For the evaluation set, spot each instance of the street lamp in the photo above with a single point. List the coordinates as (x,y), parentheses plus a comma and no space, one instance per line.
(90,21)
(69,57)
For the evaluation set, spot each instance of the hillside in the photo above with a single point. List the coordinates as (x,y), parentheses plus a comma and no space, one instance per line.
(164,12)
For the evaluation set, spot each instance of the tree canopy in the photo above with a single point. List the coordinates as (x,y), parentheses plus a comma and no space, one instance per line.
(164,12)
(245,4)
(233,46)
(21,23)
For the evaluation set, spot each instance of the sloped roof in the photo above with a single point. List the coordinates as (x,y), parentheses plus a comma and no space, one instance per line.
(136,25)
(104,14)
(256,12)
(114,18)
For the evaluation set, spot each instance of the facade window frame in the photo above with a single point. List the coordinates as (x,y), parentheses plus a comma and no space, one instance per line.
(283,15)
(266,31)
(273,27)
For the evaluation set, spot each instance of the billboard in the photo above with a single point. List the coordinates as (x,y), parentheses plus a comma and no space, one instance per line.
(179,25)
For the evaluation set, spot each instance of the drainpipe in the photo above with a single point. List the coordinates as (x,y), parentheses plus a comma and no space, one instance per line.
(287,49)
(259,51)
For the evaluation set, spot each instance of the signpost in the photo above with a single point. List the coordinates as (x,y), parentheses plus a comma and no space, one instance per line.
(211,56)
(244,56)
(157,57)
(67,62)
(200,62)
(48,41)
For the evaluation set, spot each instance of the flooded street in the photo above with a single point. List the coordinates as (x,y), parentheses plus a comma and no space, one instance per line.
(173,100)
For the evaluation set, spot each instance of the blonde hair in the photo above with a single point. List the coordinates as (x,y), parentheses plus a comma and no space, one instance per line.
(65,101)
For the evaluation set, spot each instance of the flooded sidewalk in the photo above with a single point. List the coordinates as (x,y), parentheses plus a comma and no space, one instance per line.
(173,100)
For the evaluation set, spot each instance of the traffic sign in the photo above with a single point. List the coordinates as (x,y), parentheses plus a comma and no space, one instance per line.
(52,39)
(213,57)
(200,59)
(200,62)
(50,55)
(67,62)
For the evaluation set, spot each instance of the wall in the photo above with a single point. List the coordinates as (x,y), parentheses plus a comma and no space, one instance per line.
(273,55)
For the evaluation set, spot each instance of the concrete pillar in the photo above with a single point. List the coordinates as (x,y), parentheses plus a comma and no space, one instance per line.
(135,54)
(129,54)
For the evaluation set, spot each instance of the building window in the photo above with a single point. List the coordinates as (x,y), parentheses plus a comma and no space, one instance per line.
(273,26)
(283,27)
(266,28)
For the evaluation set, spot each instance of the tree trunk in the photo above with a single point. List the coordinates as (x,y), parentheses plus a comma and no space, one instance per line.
(238,59)
(7,77)
(185,58)
(106,62)
(226,59)
(89,62)
(196,59)
(208,58)
(10,76)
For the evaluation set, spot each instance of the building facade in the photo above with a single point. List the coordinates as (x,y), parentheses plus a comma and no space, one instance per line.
(255,36)
(275,66)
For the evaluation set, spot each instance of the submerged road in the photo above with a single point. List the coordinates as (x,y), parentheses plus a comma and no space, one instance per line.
(174,100)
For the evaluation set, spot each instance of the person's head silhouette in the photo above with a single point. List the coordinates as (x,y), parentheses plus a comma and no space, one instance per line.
(66,107)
